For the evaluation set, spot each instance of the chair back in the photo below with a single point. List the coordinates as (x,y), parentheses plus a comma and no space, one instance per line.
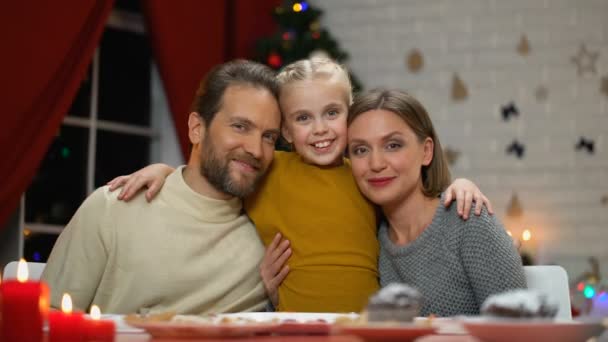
(553,281)
(34,269)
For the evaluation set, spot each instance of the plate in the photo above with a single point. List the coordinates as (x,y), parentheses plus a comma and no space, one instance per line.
(298,323)
(402,332)
(187,329)
(539,330)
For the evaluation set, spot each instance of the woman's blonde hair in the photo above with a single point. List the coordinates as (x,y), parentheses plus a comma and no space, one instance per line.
(435,176)
(314,68)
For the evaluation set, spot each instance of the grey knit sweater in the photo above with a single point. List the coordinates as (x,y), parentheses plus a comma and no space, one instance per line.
(455,264)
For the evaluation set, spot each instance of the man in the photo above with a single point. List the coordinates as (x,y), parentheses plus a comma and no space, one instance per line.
(191,250)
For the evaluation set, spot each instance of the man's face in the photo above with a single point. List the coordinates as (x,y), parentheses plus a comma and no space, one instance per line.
(238,146)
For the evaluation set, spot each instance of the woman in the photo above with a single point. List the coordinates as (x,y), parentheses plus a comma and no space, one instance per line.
(398,164)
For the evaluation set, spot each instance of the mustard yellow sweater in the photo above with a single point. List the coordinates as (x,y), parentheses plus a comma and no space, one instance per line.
(332,230)
(182,252)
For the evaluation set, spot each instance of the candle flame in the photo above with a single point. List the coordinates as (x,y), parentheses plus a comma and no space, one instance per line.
(66,303)
(22,272)
(95,312)
(526,235)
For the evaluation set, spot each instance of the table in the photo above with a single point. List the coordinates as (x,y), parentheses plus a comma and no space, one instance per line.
(335,338)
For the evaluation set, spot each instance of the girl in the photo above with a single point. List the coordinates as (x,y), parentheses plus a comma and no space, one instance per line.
(309,198)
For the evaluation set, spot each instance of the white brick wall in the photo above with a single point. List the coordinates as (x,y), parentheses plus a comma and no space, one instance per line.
(560,189)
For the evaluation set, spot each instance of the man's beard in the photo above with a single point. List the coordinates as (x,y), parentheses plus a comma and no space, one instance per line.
(217,171)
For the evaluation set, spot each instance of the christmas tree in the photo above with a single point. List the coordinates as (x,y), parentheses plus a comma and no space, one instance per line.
(299,36)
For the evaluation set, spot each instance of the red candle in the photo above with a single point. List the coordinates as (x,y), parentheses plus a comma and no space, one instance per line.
(66,325)
(24,307)
(99,330)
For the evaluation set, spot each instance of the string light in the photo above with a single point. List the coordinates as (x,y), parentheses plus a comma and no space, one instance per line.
(526,235)
(297,7)
(580,286)
(589,292)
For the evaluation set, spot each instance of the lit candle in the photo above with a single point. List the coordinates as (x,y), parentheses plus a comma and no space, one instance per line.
(24,307)
(97,329)
(66,325)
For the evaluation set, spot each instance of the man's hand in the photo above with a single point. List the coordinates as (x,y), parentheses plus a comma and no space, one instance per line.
(465,193)
(273,269)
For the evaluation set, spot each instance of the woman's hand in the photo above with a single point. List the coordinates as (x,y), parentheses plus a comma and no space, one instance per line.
(152,177)
(273,269)
(465,192)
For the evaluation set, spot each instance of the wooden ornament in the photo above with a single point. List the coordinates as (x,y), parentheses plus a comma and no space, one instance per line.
(459,89)
(585,60)
(604,85)
(415,61)
(514,209)
(541,93)
(451,155)
(523,48)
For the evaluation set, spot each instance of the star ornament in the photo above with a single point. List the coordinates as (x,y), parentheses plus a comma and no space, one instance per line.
(585,60)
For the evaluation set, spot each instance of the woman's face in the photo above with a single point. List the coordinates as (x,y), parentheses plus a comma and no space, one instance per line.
(387,156)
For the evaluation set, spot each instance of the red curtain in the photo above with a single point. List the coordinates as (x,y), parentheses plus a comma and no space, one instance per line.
(46,49)
(189,37)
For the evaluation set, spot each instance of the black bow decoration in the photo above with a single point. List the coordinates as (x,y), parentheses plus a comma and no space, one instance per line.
(517,149)
(585,144)
(508,111)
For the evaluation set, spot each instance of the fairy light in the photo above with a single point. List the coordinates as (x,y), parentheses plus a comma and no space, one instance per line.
(526,235)
(297,7)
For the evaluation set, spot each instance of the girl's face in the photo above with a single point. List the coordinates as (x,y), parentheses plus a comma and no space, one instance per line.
(387,156)
(314,119)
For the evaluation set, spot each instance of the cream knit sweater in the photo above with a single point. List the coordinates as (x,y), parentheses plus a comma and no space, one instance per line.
(182,252)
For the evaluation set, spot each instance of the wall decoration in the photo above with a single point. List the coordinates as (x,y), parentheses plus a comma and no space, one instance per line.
(451,155)
(523,48)
(585,60)
(509,110)
(459,89)
(585,144)
(415,61)
(604,85)
(516,148)
(541,93)
(514,208)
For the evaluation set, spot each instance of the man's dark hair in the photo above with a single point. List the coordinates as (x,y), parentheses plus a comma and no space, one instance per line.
(208,98)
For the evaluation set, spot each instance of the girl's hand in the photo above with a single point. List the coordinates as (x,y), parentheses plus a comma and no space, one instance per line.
(273,269)
(465,193)
(152,177)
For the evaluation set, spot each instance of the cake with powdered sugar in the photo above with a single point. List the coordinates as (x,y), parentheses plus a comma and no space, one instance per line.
(519,304)
(394,302)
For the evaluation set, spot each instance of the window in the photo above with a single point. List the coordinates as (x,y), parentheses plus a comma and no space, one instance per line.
(107,131)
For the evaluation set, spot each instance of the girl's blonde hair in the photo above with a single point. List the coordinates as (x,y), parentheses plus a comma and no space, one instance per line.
(314,68)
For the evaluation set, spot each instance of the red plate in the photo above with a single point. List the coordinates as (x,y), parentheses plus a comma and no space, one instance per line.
(198,330)
(404,332)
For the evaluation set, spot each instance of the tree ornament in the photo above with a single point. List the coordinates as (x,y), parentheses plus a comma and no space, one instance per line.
(517,149)
(585,144)
(314,26)
(514,208)
(585,60)
(415,61)
(541,93)
(604,85)
(274,60)
(509,110)
(451,155)
(523,48)
(459,89)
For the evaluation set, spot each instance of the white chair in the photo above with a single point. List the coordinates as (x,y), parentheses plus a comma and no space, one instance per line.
(34,269)
(553,281)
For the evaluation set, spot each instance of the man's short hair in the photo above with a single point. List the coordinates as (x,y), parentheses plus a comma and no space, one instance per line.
(208,98)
